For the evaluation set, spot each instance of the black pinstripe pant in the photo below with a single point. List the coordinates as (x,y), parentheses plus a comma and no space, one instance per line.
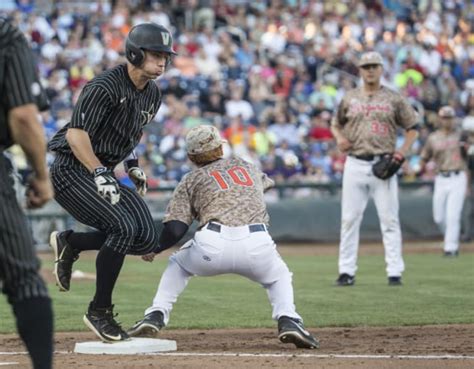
(128,225)
(19,264)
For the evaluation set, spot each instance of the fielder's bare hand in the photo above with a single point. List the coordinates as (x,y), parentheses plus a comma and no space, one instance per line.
(149,257)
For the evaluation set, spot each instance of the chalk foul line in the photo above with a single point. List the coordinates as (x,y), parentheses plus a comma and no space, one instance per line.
(319,356)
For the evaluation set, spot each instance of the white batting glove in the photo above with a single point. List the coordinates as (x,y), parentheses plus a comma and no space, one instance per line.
(138,177)
(107,185)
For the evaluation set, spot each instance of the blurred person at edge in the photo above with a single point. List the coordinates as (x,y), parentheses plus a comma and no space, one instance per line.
(21,99)
(448,149)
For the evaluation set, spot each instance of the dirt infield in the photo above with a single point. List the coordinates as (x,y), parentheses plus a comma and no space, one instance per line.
(259,348)
(420,347)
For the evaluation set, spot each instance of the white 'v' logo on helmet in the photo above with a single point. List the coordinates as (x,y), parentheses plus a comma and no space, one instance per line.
(166,38)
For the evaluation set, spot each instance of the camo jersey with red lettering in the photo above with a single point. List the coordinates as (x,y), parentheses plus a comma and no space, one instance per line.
(445,149)
(370,122)
(227,191)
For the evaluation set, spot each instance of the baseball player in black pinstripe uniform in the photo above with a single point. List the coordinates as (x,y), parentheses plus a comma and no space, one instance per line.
(106,125)
(21,96)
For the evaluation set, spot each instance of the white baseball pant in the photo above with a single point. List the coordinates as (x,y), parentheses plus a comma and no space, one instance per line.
(358,185)
(448,200)
(232,250)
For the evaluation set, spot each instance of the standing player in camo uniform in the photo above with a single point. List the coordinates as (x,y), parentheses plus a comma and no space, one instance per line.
(20,99)
(365,127)
(106,125)
(226,197)
(447,149)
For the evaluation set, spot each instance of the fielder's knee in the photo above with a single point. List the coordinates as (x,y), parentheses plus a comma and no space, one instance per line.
(280,272)
(350,220)
(390,222)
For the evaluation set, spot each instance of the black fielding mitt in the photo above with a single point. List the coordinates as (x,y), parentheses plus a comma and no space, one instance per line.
(388,165)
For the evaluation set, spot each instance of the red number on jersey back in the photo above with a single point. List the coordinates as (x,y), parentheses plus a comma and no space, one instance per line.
(239,176)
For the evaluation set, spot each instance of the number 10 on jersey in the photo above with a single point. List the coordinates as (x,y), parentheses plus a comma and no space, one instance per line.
(238,175)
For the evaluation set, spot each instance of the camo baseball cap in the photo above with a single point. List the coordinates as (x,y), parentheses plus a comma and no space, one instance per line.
(371,57)
(202,139)
(447,112)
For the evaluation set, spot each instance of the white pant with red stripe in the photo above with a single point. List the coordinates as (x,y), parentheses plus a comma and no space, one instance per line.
(448,200)
(231,250)
(358,185)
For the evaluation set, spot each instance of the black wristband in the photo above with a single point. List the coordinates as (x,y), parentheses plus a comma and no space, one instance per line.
(100,171)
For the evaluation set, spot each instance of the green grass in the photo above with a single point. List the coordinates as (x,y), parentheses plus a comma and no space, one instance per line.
(435,291)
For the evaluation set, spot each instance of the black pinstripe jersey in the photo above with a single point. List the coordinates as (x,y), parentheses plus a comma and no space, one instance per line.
(19,83)
(113,112)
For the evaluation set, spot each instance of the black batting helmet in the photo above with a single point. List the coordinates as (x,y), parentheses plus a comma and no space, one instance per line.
(147,36)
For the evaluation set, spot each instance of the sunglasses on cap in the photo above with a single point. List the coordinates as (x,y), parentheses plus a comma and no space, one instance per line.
(370,66)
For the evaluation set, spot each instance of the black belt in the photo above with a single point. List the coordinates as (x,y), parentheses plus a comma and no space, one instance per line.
(71,161)
(367,157)
(252,227)
(449,173)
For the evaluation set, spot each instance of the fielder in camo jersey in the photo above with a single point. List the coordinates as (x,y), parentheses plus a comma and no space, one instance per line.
(447,149)
(226,197)
(365,127)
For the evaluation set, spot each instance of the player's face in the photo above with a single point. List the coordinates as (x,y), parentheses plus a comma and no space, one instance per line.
(371,73)
(154,64)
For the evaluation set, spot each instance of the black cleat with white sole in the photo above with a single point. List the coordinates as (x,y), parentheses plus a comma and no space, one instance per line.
(345,279)
(291,330)
(64,256)
(149,326)
(102,322)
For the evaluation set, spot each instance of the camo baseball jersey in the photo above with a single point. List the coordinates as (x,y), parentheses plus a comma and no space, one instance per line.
(370,122)
(445,151)
(227,191)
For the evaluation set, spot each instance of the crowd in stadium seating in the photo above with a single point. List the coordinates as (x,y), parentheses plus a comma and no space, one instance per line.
(269,74)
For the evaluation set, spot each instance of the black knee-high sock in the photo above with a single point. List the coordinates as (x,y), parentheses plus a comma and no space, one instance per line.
(84,241)
(108,266)
(34,320)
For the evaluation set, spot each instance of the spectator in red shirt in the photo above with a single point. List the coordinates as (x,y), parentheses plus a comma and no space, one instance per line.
(320,130)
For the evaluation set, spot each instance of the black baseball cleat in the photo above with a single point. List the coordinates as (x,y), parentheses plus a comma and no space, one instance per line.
(394,281)
(291,330)
(64,256)
(102,322)
(451,254)
(345,280)
(149,326)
